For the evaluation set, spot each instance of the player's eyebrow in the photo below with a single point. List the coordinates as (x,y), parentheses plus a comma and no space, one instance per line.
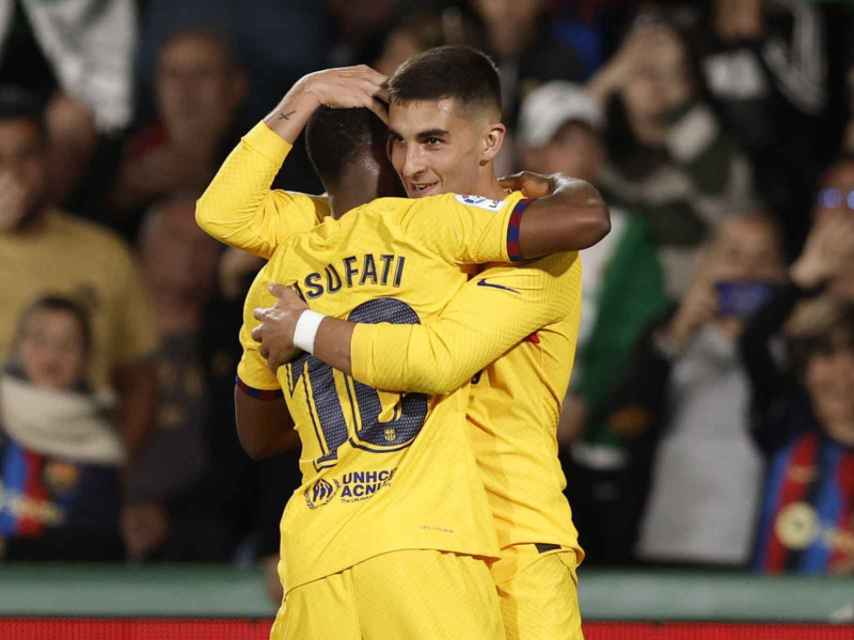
(432,133)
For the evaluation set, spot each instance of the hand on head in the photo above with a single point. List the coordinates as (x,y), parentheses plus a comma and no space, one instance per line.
(348,88)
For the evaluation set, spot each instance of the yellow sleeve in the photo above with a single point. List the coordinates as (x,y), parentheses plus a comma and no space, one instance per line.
(252,368)
(467,229)
(493,312)
(239,208)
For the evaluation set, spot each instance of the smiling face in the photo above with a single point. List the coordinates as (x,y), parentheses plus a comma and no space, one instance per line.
(438,146)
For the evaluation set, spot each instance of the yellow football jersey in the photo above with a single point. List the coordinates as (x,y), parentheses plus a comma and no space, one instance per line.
(515,400)
(239,208)
(381,471)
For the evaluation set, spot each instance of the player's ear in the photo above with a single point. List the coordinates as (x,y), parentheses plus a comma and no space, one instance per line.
(493,139)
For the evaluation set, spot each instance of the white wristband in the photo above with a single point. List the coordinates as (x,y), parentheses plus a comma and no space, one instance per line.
(306,330)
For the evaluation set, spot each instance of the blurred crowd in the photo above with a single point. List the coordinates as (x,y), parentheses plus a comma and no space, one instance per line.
(710,420)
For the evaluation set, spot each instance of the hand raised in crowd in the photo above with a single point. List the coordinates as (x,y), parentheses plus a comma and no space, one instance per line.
(278,323)
(828,251)
(699,306)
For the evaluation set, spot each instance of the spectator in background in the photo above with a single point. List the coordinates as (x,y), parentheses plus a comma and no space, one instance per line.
(60,459)
(561,130)
(199,89)
(668,157)
(172,514)
(45,250)
(76,57)
(764,64)
(801,401)
(683,403)
(803,416)
(518,36)
(412,35)
(807,433)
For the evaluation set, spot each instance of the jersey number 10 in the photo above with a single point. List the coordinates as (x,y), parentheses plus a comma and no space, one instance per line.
(328,415)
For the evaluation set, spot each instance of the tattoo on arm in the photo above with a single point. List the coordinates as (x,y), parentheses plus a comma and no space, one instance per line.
(286,116)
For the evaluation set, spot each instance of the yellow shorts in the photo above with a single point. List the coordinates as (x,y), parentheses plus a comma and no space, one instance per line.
(539,593)
(405,595)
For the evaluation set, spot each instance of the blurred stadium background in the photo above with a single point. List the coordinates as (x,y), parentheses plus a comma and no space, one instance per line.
(712,483)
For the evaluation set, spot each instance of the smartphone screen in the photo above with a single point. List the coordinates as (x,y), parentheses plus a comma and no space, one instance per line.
(742,298)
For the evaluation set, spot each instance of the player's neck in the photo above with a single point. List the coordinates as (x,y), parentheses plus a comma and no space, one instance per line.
(350,194)
(341,203)
(488,187)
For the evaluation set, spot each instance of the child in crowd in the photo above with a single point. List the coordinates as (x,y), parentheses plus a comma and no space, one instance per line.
(60,457)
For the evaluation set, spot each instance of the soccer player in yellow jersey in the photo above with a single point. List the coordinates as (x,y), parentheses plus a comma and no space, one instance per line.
(545,303)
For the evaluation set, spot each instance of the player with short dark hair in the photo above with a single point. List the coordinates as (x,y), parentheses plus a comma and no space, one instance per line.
(539,293)
(451,71)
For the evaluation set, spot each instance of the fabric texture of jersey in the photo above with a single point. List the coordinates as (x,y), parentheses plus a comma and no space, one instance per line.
(412,594)
(515,402)
(381,471)
(240,209)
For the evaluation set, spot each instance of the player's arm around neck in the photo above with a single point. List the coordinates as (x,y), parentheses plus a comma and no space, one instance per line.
(567,215)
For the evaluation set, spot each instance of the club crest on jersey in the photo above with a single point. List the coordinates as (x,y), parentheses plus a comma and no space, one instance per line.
(320,493)
(481,202)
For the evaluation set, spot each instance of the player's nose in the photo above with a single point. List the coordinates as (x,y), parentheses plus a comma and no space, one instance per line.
(413,163)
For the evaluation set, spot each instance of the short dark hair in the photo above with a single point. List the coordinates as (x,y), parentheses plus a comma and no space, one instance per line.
(336,137)
(451,71)
(63,304)
(17,103)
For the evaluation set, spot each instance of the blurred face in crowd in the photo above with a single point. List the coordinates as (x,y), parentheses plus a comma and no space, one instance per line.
(746,248)
(510,12)
(198,86)
(400,45)
(177,257)
(52,349)
(440,146)
(22,171)
(829,380)
(661,79)
(576,150)
(508,21)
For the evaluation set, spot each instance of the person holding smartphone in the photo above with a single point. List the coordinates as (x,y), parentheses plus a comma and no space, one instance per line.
(682,404)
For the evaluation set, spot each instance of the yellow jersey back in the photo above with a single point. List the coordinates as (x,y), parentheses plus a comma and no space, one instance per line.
(381,471)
